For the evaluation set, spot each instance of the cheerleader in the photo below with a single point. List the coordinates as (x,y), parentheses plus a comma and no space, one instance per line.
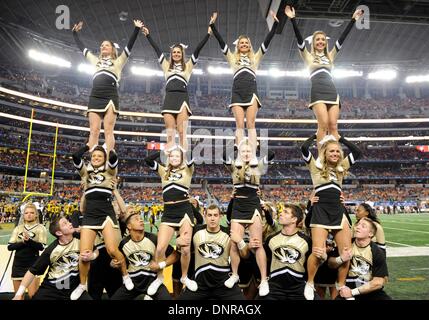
(328,213)
(176,109)
(325,101)
(99,215)
(104,101)
(247,211)
(244,100)
(178,214)
(27,239)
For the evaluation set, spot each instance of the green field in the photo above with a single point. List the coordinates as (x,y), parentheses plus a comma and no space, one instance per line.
(408,276)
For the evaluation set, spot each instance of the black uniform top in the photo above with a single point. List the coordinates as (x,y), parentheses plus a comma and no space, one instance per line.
(211,256)
(63,263)
(240,63)
(320,62)
(246,180)
(27,251)
(107,68)
(97,181)
(367,262)
(335,179)
(288,256)
(139,255)
(176,186)
(177,73)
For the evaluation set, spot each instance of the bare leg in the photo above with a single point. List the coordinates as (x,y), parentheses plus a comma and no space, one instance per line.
(250,125)
(333,115)
(182,126)
(94,128)
(170,127)
(239,122)
(109,125)
(321,112)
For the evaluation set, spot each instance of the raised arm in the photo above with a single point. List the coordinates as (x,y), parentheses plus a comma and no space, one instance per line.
(270,35)
(137,26)
(150,159)
(203,42)
(77,158)
(86,52)
(216,33)
(155,47)
(290,13)
(356,15)
(305,148)
(355,152)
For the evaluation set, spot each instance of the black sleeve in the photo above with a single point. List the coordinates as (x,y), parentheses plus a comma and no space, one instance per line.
(229,211)
(79,43)
(16,246)
(269,37)
(301,44)
(169,250)
(271,155)
(379,265)
(222,43)
(343,36)
(39,267)
(35,244)
(308,214)
(113,159)
(150,160)
(196,53)
(197,215)
(131,42)
(74,219)
(156,48)
(305,148)
(269,218)
(77,156)
(355,151)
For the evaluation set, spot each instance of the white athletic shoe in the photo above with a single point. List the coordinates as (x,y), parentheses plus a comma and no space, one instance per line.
(190,284)
(154,286)
(264,288)
(309,291)
(81,288)
(231,281)
(128,282)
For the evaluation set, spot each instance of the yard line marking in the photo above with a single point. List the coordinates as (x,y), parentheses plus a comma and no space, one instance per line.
(426,232)
(420,269)
(6,235)
(401,244)
(403,222)
(412,279)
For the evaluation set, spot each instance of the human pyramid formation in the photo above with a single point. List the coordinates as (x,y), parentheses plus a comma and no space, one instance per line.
(286,258)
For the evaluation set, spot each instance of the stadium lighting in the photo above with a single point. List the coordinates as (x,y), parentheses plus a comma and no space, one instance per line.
(86,68)
(382,75)
(146,72)
(417,78)
(304,73)
(198,71)
(345,73)
(276,73)
(48,59)
(219,70)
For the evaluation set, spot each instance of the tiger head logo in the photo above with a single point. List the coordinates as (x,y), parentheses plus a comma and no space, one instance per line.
(210,250)
(287,254)
(175,176)
(96,178)
(140,258)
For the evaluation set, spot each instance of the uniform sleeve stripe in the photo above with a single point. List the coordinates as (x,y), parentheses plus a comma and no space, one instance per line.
(194,60)
(263,48)
(161,58)
(113,165)
(338,45)
(127,51)
(228,161)
(190,163)
(79,166)
(352,159)
(225,49)
(307,159)
(301,46)
(155,166)
(85,51)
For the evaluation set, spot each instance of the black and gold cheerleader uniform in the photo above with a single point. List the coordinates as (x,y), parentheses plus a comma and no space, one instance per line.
(105,81)
(175,191)
(98,190)
(328,212)
(322,87)
(246,206)
(177,78)
(244,88)
(26,252)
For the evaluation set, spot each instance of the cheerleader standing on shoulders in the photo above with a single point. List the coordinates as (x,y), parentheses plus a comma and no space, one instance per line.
(104,101)
(177,72)
(244,100)
(328,213)
(99,214)
(176,179)
(325,101)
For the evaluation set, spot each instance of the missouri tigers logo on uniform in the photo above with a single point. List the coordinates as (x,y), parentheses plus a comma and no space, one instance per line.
(244,61)
(96,179)
(362,268)
(322,60)
(175,176)
(140,258)
(30,234)
(210,250)
(68,261)
(287,254)
(104,63)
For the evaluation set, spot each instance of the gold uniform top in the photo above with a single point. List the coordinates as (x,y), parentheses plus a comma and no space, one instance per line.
(139,255)
(367,262)
(211,256)
(176,186)
(36,232)
(288,257)
(63,263)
